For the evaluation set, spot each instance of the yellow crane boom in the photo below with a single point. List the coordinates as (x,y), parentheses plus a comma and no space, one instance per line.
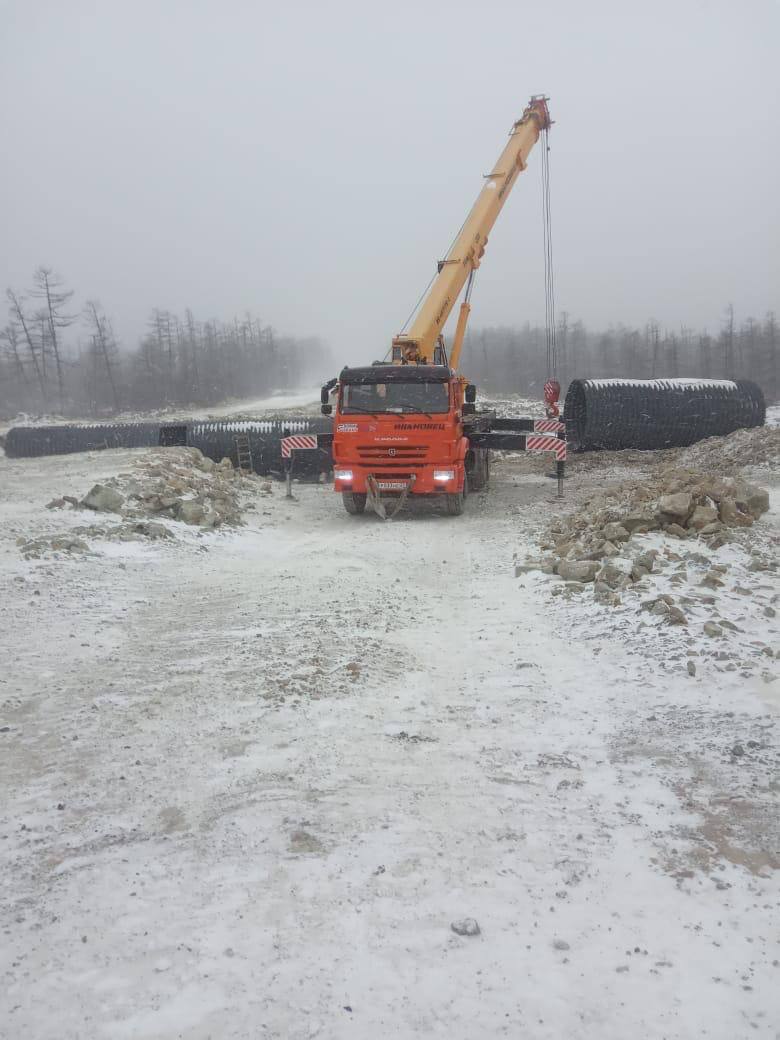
(418,345)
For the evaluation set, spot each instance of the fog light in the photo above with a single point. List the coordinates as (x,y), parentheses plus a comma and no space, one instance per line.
(444,475)
(342,474)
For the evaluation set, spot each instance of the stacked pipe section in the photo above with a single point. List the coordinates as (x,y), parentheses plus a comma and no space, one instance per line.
(613,414)
(216,440)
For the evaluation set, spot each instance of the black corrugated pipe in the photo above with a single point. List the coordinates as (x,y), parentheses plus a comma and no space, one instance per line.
(612,414)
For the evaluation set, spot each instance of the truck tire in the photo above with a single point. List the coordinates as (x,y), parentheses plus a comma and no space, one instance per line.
(455,503)
(353,503)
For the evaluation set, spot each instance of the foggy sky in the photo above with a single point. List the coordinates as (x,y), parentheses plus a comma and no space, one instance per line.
(311,161)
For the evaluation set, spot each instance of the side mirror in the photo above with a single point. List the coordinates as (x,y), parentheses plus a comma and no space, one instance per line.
(471,393)
(324,394)
(469,408)
(326,409)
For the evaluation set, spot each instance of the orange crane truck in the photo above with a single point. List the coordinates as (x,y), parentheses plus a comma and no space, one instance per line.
(410,426)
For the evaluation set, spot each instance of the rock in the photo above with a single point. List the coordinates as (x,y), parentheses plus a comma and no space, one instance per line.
(676,616)
(465,926)
(577,570)
(677,506)
(711,629)
(616,573)
(189,512)
(559,944)
(226,465)
(67,543)
(103,499)
(636,523)
(752,499)
(712,580)
(660,608)
(676,530)
(615,532)
(737,751)
(56,503)
(605,595)
(702,516)
(151,529)
(691,668)
(731,515)
(770,612)
(712,528)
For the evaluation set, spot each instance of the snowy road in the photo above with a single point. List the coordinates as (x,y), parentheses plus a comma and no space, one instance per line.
(247,791)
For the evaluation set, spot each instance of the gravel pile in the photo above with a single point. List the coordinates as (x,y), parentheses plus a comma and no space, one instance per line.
(172,484)
(741,449)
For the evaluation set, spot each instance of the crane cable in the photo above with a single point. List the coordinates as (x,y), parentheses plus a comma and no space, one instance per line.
(549,284)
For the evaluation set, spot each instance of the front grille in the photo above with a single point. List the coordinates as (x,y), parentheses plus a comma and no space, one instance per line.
(392,455)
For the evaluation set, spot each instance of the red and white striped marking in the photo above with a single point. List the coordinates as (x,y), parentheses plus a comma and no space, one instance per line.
(549,426)
(301,440)
(552,444)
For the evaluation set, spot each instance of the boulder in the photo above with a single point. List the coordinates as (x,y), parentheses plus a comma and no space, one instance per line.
(67,543)
(103,499)
(676,616)
(711,629)
(639,522)
(151,529)
(677,506)
(604,594)
(753,500)
(578,570)
(189,512)
(616,573)
(702,516)
(712,528)
(676,530)
(615,532)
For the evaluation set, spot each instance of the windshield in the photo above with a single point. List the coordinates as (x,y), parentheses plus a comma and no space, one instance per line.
(395,398)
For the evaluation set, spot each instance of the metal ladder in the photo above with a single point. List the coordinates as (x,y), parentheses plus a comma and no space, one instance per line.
(244,453)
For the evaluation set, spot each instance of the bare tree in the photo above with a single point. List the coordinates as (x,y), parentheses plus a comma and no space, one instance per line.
(104,345)
(48,288)
(19,317)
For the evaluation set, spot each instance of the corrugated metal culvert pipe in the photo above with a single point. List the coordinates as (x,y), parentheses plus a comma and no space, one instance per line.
(25,442)
(612,414)
(217,440)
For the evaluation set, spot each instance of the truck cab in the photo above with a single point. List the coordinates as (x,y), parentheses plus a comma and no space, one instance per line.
(398,431)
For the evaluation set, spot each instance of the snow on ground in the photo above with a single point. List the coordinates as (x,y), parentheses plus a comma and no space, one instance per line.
(252,778)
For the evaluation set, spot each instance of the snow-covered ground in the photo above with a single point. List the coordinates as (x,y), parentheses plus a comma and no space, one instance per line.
(250,780)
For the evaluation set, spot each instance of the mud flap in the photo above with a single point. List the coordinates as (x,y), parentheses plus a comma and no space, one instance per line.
(374,497)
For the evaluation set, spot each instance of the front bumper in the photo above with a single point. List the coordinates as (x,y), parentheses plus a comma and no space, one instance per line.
(390,483)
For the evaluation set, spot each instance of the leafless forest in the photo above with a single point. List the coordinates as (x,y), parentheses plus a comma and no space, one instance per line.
(58,358)
(515,360)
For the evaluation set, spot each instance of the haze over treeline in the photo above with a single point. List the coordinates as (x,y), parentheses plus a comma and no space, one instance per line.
(59,356)
(507,360)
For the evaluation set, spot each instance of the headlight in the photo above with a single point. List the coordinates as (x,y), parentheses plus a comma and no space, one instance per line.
(342,474)
(444,475)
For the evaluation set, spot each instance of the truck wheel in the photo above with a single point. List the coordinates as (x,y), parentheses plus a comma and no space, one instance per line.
(353,503)
(455,503)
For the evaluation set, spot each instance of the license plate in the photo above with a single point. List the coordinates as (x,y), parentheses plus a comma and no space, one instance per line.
(391,485)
